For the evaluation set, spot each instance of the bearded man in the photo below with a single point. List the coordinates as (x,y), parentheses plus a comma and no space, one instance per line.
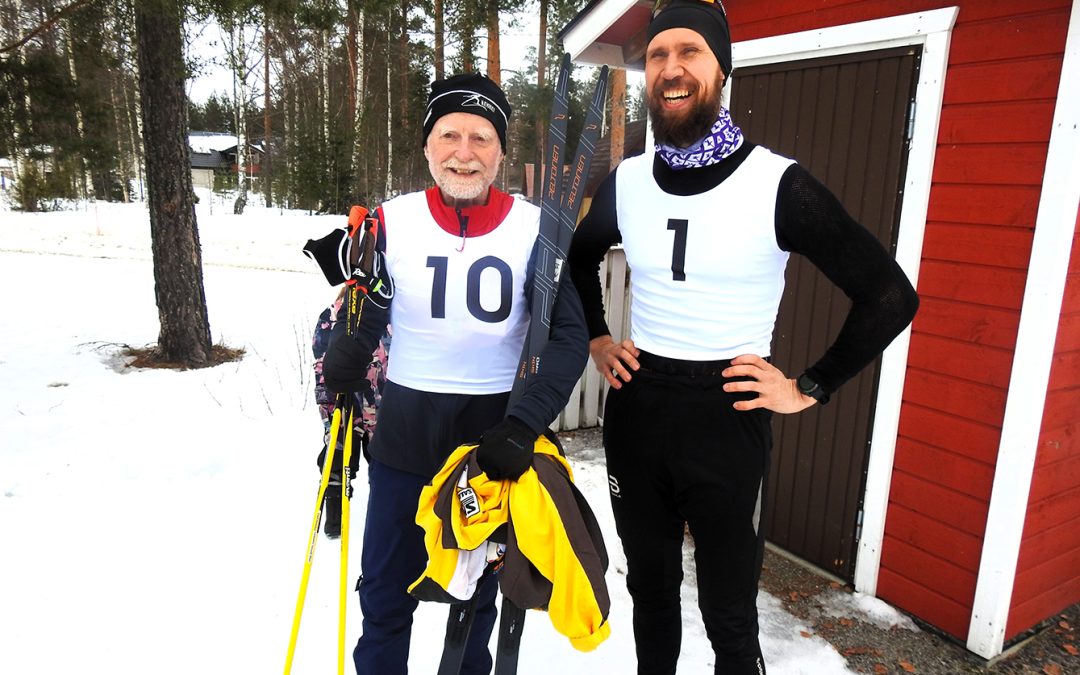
(707,223)
(459,259)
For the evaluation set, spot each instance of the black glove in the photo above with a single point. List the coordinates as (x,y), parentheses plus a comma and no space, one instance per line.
(506,449)
(345,366)
(377,284)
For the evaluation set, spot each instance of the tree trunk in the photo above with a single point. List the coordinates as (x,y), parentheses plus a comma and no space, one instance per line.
(120,154)
(358,80)
(324,79)
(238,61)
(268,195)
(181,300)
(407,172)
(440,42)
(287,95)
(618,116)
(541,76)
(494,69)
(86,179)
(389,112)
(23,129)
(135,131)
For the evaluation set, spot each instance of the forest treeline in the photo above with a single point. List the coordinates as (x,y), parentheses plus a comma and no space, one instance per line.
(333,92)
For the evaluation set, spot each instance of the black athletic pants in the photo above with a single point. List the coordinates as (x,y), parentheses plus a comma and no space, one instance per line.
(677,452)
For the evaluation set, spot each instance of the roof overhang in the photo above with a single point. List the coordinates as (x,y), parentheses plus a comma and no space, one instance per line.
(609,32)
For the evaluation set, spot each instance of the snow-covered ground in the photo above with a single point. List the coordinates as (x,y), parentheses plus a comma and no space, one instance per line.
(155,521)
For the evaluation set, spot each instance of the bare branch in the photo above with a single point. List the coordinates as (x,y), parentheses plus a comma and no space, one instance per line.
(75,6)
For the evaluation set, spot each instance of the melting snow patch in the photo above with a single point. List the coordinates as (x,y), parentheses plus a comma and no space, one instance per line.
(865,608)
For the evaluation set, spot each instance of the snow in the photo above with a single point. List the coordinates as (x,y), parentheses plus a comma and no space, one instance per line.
(156,521)
(870,609)
(205,143)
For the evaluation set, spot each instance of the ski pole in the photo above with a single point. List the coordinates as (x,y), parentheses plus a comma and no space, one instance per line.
(346,494)
(353,308)
(335,425)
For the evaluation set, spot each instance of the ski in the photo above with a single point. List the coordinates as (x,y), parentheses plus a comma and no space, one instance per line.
(511,623)
(459,622)
(579,170)
(557,224)
(458,625)
(548,256)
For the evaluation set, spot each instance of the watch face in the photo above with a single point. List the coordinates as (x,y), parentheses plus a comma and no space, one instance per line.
(806,385)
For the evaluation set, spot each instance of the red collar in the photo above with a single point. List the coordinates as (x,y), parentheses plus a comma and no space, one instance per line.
(479,220)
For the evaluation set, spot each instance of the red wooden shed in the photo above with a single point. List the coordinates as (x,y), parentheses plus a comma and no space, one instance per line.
(970,491)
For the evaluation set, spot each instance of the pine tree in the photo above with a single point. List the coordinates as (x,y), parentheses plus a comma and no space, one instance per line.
(185,328)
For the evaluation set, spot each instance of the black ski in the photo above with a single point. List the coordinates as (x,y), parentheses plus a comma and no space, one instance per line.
(548,255)
(458,625)
(459,622)
(579,170)
(558,219)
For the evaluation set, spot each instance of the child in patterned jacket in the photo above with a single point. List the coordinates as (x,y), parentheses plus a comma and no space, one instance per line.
(366,403)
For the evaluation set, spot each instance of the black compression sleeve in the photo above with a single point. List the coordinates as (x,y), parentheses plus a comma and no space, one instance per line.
(597,232)
(810,221)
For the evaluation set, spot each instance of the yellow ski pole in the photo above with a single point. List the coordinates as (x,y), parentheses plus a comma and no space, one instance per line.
(354,308)
(346,496)
(335,425)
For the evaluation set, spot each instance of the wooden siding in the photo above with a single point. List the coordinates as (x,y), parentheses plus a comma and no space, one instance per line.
(1047,579)
(1004,64)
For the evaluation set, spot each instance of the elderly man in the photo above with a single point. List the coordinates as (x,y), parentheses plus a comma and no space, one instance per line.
(459,258)
(707,224)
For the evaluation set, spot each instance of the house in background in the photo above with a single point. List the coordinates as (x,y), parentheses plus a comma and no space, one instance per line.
(215,153)
(946,478)
(7,174)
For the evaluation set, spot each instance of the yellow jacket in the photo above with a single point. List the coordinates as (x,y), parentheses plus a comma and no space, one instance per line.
(555,556)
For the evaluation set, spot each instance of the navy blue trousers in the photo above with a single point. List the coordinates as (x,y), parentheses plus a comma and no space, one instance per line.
(393,557)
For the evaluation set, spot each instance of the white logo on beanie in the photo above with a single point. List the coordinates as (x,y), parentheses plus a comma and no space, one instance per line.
(480,101)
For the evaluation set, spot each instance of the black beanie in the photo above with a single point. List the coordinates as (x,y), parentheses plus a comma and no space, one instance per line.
(472,93)
(705,18)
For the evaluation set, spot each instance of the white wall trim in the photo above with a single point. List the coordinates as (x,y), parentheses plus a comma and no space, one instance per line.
(932,30)
(1055,225)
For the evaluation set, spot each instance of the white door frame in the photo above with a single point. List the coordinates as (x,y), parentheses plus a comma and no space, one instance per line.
(932,30)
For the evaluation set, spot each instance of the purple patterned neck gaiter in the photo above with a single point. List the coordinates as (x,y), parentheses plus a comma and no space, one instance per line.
(723,139)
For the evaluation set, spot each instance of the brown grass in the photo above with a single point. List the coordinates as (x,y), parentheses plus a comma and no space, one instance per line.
(151,357)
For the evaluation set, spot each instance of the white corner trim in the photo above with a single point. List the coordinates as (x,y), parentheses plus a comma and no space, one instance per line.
(933,31)
(1055,226)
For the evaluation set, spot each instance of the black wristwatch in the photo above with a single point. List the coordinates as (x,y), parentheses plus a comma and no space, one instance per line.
(808,387)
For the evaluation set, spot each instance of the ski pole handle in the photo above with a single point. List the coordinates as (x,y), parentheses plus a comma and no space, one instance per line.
(362,230)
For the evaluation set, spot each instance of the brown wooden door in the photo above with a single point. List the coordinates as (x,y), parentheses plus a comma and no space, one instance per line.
(845,119)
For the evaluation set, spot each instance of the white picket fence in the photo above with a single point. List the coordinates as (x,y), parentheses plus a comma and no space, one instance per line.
(586,406)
